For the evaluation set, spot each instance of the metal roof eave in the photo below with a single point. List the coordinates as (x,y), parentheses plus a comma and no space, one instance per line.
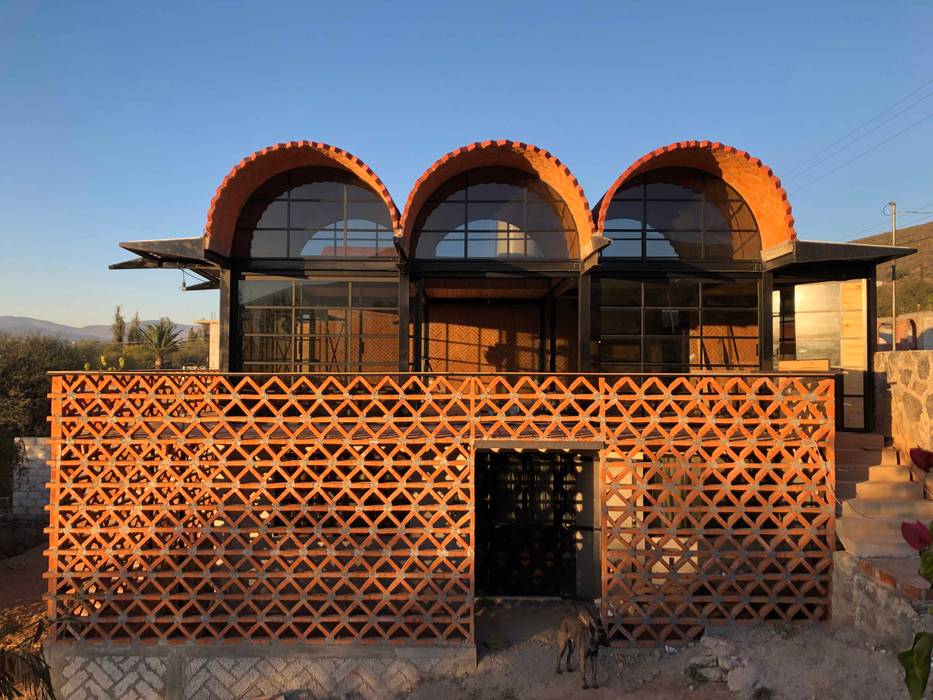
(803,252)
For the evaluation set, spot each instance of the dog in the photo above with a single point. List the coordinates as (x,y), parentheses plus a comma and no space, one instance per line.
(583,633)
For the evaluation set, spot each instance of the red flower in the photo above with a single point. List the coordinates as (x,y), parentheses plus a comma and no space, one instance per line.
(922,458)
(917,535)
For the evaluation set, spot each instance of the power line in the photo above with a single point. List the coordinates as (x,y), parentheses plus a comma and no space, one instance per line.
(859,138)
(865,152)
(887,222)
(861,126)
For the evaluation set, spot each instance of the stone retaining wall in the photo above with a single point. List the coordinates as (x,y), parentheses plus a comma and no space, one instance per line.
(30,495)
(904,397)
(885,615)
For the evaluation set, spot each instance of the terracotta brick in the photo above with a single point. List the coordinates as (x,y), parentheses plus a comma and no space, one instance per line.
(255,169)
(751,178)
(507,154)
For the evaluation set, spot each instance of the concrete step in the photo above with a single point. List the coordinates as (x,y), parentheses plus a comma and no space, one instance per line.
(858,548)
(888,472)
(872,537)
(889,456)
(889,490)
(847,472)
(870,529)
(895,509)
(860,456)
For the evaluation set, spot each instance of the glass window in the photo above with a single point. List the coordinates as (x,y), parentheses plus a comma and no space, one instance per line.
(678,325)
(313,213)
(680,213)
(495,213)
(318,325)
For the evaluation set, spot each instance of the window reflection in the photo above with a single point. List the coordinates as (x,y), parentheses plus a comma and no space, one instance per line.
(680,213)
(318,325)
(495,213)
(311,213)
(675,325)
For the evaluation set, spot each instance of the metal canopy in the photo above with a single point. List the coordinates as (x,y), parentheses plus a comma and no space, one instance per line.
(797,252)
(173,253)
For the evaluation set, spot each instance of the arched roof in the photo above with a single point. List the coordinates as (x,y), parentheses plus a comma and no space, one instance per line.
(751,178)
(254,170)
(507,154)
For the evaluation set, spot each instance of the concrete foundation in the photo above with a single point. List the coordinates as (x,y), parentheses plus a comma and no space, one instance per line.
(884,613)
(85,670)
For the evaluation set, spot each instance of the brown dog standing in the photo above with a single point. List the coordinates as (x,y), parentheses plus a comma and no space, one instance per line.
(581,632)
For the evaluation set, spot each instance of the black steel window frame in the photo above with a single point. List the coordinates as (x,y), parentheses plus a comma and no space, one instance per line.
(521,235)
(641,234)
(291,339)
(378,236)
(702,310)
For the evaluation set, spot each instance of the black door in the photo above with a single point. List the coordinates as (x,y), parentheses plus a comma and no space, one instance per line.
(534,524)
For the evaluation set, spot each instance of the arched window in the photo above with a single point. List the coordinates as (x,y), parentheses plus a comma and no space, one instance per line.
(680,213)
(495,213)
(314,213)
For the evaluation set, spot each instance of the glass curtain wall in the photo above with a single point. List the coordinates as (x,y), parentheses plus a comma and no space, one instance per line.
(319,325)
(314,213)
(680,213)
(822,326)
(495,213)
(674,325)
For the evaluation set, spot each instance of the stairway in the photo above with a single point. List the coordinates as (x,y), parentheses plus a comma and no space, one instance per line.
(876,496)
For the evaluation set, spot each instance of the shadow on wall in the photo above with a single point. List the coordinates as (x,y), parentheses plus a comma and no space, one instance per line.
(904,397)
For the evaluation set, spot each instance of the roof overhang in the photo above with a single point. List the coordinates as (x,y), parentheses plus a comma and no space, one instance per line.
(173,253)
(797,252)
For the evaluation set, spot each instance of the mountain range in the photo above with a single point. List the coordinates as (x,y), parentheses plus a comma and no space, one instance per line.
(23,325)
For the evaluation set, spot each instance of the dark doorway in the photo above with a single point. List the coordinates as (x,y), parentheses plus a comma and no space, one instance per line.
(536,524)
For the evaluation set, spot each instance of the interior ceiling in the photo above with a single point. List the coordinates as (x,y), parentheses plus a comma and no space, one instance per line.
(488,288)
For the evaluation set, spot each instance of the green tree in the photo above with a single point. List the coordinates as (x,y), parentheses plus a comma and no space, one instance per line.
(25,361)
(118,327)
(135,329)
(161,339)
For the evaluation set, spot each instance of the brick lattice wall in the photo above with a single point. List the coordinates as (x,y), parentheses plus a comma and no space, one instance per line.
(340,509)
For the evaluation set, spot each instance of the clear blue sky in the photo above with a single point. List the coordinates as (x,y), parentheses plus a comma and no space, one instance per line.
(118,121)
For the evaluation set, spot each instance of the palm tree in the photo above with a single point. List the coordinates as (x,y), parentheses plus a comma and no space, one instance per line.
(160,338)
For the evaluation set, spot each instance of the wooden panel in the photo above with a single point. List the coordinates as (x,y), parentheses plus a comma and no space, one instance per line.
(472,338)
(854,341)
(803,365)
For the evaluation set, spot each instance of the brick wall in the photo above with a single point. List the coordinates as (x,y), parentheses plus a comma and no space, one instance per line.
(30,495)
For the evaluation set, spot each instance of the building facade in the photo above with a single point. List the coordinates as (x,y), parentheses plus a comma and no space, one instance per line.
(688,262)
(498,391)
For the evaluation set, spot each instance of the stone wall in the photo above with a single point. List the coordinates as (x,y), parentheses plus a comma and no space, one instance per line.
(30,495)
(883,614)
(904,397)
(87,671)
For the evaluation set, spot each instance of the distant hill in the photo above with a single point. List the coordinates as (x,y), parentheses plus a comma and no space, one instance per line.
(24,325)
(914,273)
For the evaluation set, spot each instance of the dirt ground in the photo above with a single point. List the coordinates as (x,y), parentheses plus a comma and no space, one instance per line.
(517,656)
(21,589)
(518,661)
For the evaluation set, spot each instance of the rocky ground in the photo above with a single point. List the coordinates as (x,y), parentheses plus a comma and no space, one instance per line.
(518,660)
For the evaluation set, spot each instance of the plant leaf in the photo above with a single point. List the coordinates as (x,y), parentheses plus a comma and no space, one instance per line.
(916,663)
(926,566)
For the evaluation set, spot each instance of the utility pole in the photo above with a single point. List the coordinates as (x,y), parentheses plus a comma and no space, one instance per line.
(893,206)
